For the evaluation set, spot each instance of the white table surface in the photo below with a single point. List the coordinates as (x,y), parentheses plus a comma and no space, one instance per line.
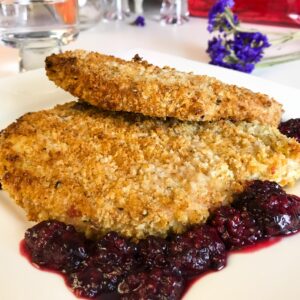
(188,41)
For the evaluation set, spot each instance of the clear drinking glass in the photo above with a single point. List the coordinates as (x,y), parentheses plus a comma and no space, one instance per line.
(115,9)
(90,13)
(138,7)
(38,28)
(174,12)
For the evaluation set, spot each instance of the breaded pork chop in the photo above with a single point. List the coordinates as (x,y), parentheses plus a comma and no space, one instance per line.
(103,171)
(135,86)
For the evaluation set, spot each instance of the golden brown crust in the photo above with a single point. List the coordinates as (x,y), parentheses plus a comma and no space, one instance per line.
(103,171)
(137,86)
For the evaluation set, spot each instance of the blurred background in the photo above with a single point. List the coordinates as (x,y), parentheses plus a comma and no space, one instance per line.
(111,27)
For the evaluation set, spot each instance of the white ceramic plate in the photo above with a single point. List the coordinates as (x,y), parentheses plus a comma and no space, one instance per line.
(269,274)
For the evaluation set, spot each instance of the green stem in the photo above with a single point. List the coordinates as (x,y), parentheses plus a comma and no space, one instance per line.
(230,20)
(292,36)
(284,38)
(278,59)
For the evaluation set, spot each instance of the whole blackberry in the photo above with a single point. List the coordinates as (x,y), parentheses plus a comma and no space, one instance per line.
(153,252)
(236,228)
(56,246)
(196,251)
(112,258)
(291,128)
(275,212)
(157,284)
(91,281)
(112,249)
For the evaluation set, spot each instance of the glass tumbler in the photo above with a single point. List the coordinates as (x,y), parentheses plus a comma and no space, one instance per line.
(37,28)
(90,13)
(174,12)
(115,10)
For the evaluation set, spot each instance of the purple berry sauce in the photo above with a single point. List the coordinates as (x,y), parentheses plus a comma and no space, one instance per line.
(275,211)
(236,228)
(291,128)
(113,267)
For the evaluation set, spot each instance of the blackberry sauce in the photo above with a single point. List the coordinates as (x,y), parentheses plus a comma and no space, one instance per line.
(113,267)
(291,128)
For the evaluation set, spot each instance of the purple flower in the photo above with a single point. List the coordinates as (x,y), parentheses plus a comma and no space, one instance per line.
(139,21)
(249,46)
(232,48)
(217,19)
(217,50)
(241,66)
(240,53)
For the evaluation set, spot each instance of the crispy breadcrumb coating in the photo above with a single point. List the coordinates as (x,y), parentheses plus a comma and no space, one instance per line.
(136,86)
(136,175)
